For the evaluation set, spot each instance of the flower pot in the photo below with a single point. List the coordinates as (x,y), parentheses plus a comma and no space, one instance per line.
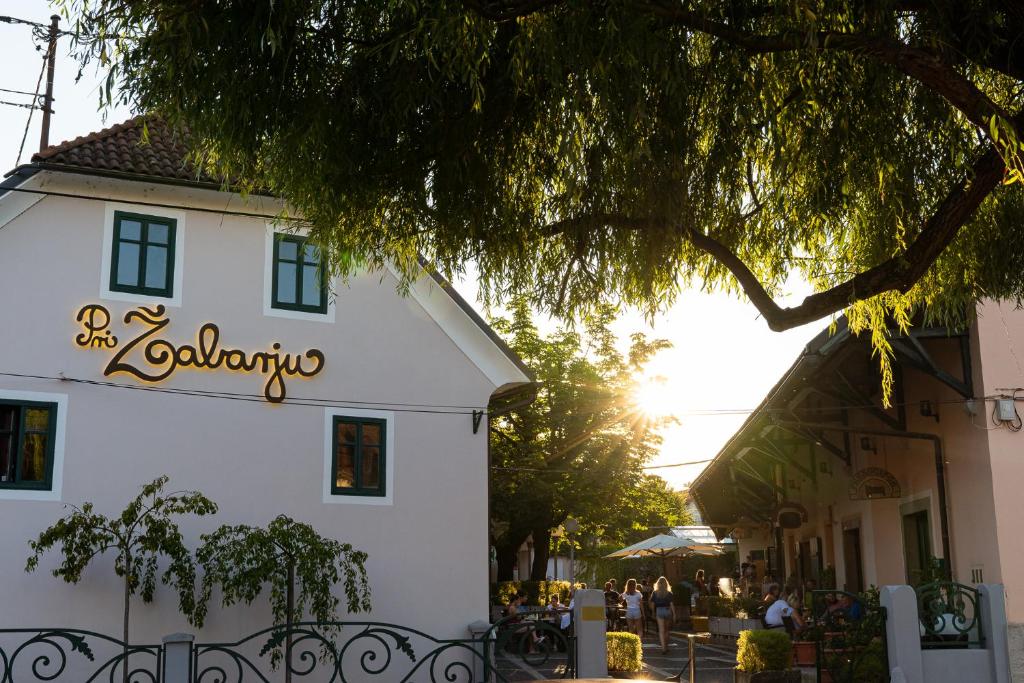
(791,676)
(700,624)
(716,625)
(804,653)
(734,626)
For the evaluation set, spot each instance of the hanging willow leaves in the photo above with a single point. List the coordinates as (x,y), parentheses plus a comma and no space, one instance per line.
(581,152)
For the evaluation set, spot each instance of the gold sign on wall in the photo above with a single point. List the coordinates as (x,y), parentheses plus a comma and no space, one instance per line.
(151,358)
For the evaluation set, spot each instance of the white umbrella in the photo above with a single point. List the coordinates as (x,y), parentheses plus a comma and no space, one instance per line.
(666,546)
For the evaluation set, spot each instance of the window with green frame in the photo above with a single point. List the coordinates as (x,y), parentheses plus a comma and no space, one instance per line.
(359,456)
(26,444)
(300,284)
(143,254)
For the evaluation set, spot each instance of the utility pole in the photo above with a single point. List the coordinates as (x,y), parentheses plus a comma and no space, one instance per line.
(51,54)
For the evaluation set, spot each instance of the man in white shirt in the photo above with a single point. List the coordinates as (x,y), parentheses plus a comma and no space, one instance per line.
(776,611)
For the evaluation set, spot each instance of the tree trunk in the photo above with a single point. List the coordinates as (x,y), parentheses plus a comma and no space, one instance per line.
(541,552)
(127,598)
(506,560)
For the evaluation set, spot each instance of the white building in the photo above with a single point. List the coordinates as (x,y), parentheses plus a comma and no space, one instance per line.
(344,405)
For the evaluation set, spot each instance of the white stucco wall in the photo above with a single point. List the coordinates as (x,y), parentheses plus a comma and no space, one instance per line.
(427,550)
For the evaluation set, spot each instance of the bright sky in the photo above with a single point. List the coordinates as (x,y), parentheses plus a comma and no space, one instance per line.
(724,358)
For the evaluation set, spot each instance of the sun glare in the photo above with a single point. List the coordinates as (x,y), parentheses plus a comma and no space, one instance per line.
(653,398)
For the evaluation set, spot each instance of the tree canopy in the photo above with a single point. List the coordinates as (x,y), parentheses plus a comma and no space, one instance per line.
(616,150)
(579,448)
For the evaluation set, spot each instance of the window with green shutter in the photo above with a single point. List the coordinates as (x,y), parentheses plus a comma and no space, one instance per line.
(300,283)
(26,444)
(143,255)
(358,461)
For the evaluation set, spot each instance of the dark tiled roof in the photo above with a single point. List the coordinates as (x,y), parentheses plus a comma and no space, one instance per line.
(120,149)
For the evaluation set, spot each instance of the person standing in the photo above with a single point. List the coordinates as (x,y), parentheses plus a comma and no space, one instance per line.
(633,600)
(611,605)
(699,585)
(664,610)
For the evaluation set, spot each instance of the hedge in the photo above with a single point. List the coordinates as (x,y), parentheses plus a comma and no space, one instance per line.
(764,650)
(537,592)
(625,653)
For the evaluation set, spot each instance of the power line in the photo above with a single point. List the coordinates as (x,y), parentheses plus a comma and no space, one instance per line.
(19,92)
(23,106)
(250,398)
(32,110)
(159,205)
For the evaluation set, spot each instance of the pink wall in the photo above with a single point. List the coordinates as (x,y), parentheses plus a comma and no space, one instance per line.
(1001,332)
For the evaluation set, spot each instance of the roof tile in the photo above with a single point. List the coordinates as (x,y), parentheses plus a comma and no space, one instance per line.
(121,148)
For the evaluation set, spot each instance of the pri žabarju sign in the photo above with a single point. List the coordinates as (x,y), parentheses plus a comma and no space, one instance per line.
(151,358)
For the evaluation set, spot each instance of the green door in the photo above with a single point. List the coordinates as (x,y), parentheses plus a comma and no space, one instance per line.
(916,544)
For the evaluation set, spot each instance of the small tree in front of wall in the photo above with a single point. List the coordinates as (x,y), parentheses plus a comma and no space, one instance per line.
(243,559)
(140,535)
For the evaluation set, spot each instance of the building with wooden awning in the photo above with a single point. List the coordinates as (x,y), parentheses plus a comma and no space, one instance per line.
(824,477)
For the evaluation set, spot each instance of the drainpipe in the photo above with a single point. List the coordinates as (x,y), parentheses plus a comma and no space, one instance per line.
(940,471)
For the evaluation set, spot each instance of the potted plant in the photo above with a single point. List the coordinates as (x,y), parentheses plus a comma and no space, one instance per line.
(765,656)
(625,655)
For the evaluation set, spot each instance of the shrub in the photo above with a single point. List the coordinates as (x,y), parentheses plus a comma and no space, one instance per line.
(537,592)
(764,650)
(624,651)
(720,607)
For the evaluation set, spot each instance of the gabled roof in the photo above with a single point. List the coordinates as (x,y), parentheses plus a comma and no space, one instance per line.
(147,149)
(142,146)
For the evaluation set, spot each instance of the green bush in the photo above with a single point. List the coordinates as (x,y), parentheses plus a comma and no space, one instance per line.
(719,607)
(625,652)
(537,592)
(764,650)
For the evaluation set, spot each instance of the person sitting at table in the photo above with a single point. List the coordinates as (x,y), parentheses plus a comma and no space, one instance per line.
(517,624)
(850,608)
(778,612)
(772,595)
(633,599)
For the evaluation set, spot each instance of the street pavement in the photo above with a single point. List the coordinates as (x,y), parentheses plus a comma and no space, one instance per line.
(715,662)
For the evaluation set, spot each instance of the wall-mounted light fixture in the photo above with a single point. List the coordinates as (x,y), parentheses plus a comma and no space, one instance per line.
(928,410)
(868,444)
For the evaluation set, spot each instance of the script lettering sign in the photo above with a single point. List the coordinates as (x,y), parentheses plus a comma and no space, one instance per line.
(150,357)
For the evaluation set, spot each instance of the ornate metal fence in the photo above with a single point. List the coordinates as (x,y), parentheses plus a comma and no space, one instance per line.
(75,656)
(849,634)
(949,615)
(342,652)
(332,652)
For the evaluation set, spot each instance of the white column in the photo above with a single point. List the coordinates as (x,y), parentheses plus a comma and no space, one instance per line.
(178,658)
(589,625)
(903,633)
(992,610)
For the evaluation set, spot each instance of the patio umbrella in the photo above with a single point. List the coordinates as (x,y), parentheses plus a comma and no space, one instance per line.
(665,546)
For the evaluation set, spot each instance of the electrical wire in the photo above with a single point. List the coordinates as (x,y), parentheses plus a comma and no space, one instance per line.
(505,468)
(159,205)
(23,106)
(250,398)
(31,111)
(19,92)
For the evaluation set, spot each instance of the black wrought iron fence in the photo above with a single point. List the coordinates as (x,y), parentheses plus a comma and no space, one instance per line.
(849,634)
(75,656)
(331,652)
(339,652)
(950,615)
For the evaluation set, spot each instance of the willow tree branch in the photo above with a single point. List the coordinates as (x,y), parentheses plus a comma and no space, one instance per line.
(923,65)
(898,273)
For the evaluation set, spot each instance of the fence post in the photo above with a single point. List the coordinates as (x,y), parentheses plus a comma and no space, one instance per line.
(178,658)
(589,624)
(483,642)
(992,618)
(902,633)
